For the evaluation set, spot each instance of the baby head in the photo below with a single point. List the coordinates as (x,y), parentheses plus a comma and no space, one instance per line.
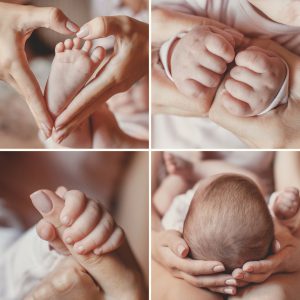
(228,221)
(281,11)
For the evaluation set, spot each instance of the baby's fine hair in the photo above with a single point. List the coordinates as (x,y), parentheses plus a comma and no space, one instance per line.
(230,222)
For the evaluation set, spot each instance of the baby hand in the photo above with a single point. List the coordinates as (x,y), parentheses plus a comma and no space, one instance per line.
(199,60)
(254,82)
(89,227)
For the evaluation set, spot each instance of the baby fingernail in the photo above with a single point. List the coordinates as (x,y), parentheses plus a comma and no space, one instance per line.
(83,32)
(79,249)
(68,240)
(41,202)
(65,220)
(72,26)
(219,269)
(228,291)
(230,282)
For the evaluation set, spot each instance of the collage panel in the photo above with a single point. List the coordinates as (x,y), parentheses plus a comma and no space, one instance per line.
(225,225)
(82,69)
(224,74)
(74,225)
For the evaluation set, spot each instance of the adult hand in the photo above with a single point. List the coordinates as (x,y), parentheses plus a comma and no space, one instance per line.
(128,63)
(68,281)
(118,277)
(278,128)
(17,22)
(286,259)
(170,250)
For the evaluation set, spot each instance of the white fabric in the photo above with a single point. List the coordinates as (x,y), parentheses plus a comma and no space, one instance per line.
(24,264)
(180,132)
(176,214)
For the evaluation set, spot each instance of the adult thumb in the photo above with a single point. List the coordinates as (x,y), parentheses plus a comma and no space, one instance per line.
(50,17)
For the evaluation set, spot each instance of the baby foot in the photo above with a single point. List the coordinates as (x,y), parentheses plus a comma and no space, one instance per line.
(72,67)
(287,203)
(177,166)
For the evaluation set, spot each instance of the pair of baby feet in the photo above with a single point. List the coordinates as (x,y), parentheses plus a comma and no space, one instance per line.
(285,206)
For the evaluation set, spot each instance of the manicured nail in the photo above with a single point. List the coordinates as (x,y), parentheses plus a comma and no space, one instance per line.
(230,282)
(72,26)
(228,291)
(218,269)
(249,269)
(98,251)
(83,32)
(239,276)
(46,131)
(41,202)
(65,220)
(68,240)
(181,249)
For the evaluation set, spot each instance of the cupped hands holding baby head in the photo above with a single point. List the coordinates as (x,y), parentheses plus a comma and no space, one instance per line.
(127,64)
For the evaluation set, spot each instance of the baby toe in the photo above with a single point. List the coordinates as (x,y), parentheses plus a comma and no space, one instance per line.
(98,54)
(68,44)
(60,47)
(76,43)
(87,46)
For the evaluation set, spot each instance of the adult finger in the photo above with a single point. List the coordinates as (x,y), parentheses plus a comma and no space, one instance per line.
(198,267)
(104,26)
(30,89)
(49,17)
(173,240)
(206,281)
(47,232)
(228,290)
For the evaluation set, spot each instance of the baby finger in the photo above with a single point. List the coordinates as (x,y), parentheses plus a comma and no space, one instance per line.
(113,243)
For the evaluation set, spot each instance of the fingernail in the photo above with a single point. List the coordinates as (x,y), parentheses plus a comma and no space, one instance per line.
(72,26)
(228,291)
(65,220)
(45,130)
(181,249)
(239,276)
(98,251)
(41,202)
(83,32)
(59,137)
(79,249)
(68,240)
(249,269)
(219,269)
(230,282)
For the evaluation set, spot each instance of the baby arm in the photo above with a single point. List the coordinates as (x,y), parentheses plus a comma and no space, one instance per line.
(255,83)
(198,59)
